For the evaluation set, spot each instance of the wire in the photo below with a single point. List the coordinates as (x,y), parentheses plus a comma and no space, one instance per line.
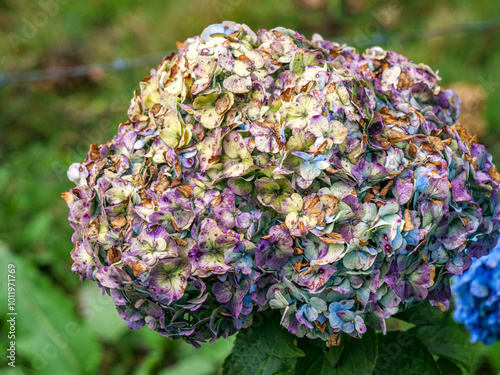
(424,34)
(81,70)
(123,64)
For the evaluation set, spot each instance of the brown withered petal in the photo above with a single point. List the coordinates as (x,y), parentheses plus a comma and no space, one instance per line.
(311,203)
(432,275)
(146,203)
(223,103)
(405,80)
(114,254)
(412,149)
(320,326)
(392,119)
(408,221)
(494,174)
(427,147)
(68,197)
(186,190)
(424,257)
(382,141)
(329,241)
(181,242)
(216,201)
(442,307)
(436,143)
(330,202)
(174,224)
(396,136)
(141,117)
(297,251)
(386,188)
(465,220)
(118,222)
(138,268)
(333,340)
(92,229)
(369,196)
(94,152)
(297,265)
(307,272)
(336,236)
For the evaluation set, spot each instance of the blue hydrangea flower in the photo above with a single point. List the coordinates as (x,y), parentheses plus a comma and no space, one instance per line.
(341,317)
(477,298)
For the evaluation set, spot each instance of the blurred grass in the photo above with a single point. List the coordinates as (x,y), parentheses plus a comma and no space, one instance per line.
(48,125)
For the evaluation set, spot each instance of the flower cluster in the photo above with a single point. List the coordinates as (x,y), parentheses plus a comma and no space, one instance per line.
(477,298)
(264,170)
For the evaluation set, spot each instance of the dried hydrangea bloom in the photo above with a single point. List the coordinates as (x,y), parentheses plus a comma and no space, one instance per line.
(263,170)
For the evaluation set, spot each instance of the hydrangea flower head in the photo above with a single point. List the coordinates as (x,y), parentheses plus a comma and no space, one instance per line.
(262,170)
(477,298)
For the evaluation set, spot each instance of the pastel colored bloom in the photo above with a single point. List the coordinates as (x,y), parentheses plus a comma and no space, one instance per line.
(409,278)
(309,311)
(152,245)
(311,166)
(237,156)
(316,276)
(231,295)
(174,211)
(333,132)
(170,277)
(341,317)
(241,257)
(261,170)
(301,215)
(275,249)
(301,110)
(359,257)
(249,221)
(267,136)
(226,212)
(273,192)
(212,246)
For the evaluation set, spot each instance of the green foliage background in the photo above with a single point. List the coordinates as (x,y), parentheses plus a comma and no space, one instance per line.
(64,327)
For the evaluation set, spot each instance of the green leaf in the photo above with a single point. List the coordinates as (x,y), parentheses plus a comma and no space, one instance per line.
(248,359)
(421,314)
(448,339)
(449,368)
(100,313)
(352,356)
(203,361)
(265,348)
(492,352)
(50,337)
(401,353)
(319,359)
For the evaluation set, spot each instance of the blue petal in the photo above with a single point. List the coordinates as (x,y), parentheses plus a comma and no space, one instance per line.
(335,321)
(422,183)
(303,155)
(321,164)
(309,171)
(310,313)
(216,28)
(348,327)
(478,289)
